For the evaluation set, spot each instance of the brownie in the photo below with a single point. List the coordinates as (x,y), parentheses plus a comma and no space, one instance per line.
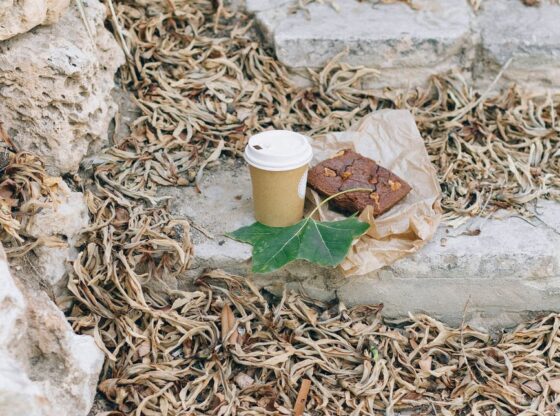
(347,170)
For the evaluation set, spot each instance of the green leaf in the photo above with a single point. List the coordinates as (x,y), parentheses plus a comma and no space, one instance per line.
(324,243)
(374,353)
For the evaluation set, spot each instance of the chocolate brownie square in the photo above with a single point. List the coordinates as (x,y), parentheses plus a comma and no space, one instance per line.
(348,170)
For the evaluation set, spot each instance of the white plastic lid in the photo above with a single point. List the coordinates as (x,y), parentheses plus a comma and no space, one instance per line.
(278,150)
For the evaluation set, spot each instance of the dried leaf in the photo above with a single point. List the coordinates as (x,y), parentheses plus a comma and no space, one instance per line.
(554,385)
(227,322)
(426,363)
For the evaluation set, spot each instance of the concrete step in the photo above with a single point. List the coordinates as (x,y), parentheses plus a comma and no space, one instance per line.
(528,35)
(502,270)
(408,45)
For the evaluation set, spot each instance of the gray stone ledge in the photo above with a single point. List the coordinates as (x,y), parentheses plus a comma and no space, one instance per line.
(409,45)
(511,269)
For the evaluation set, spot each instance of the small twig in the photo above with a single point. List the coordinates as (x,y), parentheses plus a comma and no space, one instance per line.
(471,372)
(217,15)
(302,397)
(118,29)
(85,21)
(324,201)
(472,105)
(434,408)
(457,114)
(202,230)
(547,225)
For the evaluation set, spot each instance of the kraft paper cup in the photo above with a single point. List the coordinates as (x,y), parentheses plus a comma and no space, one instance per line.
(278,161)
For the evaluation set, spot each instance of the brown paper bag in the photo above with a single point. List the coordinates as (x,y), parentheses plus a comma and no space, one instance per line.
(391,138)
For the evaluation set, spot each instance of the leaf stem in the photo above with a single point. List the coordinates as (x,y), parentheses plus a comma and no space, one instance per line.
(324,201)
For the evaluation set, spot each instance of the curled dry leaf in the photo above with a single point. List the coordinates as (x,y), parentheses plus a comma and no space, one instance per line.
(426,363)
(532,388)
(228,323)
(301,399)
(554,385)
(25,187)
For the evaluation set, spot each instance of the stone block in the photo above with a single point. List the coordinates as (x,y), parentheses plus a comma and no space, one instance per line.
(407,45)
(20,16)
(58,224)
(528,35)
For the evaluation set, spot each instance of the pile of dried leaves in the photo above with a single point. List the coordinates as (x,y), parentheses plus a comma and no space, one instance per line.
(25,187)
(499,151)
(204,84)
(228,349)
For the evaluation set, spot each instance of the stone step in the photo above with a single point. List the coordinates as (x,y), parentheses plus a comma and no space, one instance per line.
(502,274)
(528,35)
(408,45)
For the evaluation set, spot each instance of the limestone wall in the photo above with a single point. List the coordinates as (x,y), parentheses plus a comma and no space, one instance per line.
(56,79)
(55,87)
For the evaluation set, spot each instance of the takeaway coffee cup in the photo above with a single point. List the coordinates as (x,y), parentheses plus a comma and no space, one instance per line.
(278,161)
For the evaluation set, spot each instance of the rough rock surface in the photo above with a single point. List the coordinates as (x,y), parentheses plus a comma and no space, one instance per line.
(67,216)
(45,369)
(63,221)
(19,16)
(503,269)
(55,87)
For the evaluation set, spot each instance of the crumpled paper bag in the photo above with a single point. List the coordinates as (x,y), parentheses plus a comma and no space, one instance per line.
(391,138)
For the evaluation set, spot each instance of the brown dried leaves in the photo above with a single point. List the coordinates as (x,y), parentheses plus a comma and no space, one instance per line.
(297,355)
(25,187)
(502,153)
